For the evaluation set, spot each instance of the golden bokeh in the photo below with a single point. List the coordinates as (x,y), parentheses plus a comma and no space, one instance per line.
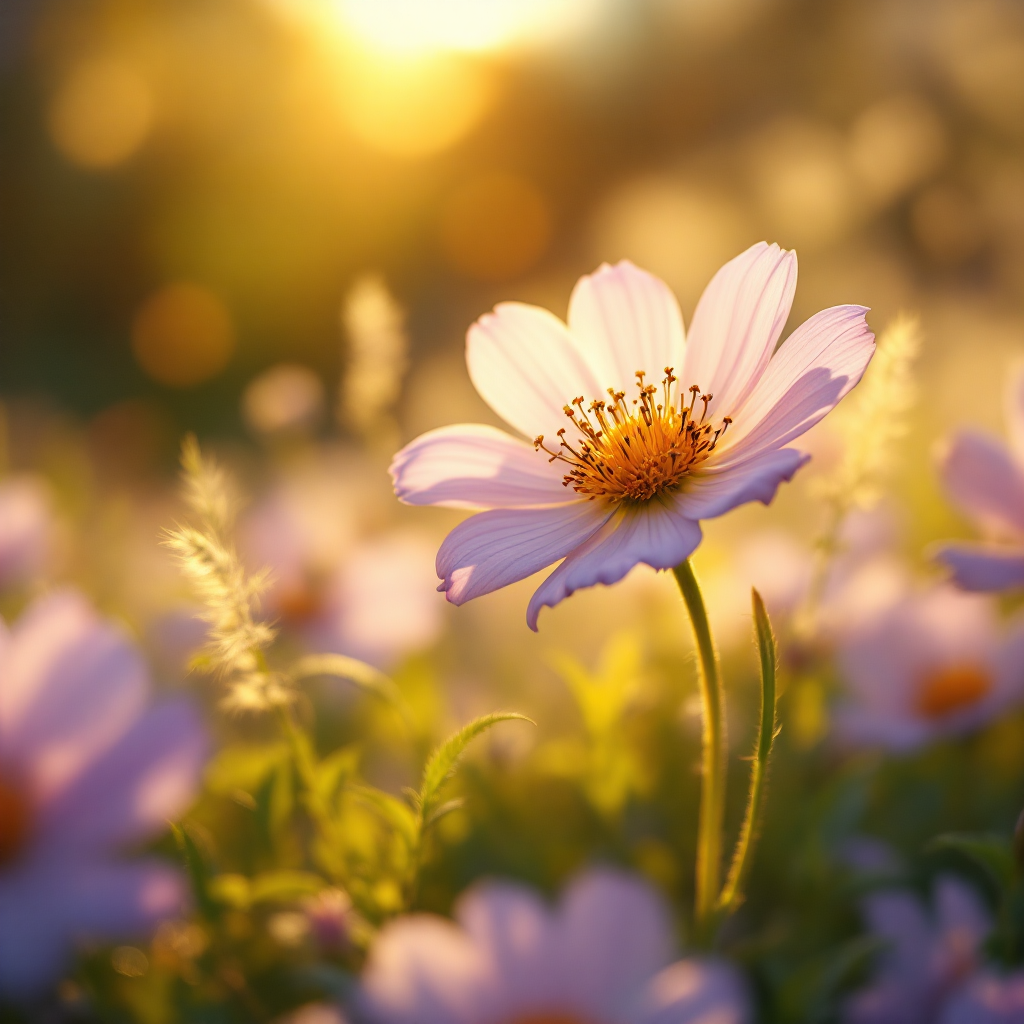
(101,114)
(183,335)
(415,108)
(495,227)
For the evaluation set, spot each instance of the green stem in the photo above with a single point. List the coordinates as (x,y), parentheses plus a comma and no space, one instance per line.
(713,767)
(732,895)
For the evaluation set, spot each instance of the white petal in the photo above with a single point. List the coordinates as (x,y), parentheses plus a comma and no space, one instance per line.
(527,367)
(985,482)
(654,534)
(626,320)
(474,466)
(493,549)
(813,369)
(737,323)
(709,494)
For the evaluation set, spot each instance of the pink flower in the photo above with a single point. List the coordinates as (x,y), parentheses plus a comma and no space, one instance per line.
(924,664)
(369,597)
(984,478)
(85,769)
(603,956)
(637,433)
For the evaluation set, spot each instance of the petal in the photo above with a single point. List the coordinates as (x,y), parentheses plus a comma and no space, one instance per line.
(694,990)
(654,533)
(615,934)
(149,776)
(474,466)
(44,911)
(527,367)
(26,529)
(626,319)
(72,684)
(982,567)
(708,494)
(493,549)
(423,969)
(517,933)
(812,370)
(985,482)
(737,323)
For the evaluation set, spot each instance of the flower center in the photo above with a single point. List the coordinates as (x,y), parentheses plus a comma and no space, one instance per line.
(14,821)
(952,689)
(634,452)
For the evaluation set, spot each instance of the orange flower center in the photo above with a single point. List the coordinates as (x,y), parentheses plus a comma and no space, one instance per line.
(633,453)
(14,821)
(951,689)
(299,604)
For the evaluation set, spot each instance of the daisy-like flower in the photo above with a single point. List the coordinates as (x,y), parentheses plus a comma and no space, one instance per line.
(928,972)
(85,769)
(372,598)
(924,664)
(637,432)
(984,478)
(603,956)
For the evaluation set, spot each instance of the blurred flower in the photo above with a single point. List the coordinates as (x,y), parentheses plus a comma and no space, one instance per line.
(26,530)
(987,999)
(84,770)
(985,480)
(602,955)
(927,664)
(642,473)
(374,598)
(377,355)
(330,917)
(929,959)
(287,398)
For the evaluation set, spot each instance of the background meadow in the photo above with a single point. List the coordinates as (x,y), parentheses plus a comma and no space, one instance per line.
(269,223)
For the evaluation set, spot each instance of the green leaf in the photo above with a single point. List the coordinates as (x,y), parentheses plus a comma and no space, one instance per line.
(992,853)
(243,767)
(397,814)
(354,671)
(198,875)
(443,762)
(442,809)
(282,886)
(334,771)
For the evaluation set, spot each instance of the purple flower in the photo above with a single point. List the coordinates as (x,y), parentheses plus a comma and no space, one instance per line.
(929,960)
(603,956)
(26,530)
(922,664)
(984,478)
(987,999)
(637,434)
(85,769)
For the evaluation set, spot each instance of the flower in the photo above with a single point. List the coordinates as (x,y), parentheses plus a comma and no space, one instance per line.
(987,999)
(85,769)
(984,478)
(929,966)
(26,530)
(686,430)
(601,957)
(368,597)
(922,664)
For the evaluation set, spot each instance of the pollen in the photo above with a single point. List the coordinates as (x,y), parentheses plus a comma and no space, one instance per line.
(951,689)
(632,452)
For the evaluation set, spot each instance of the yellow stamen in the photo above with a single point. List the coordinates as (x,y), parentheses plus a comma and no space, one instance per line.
(951,689)
(635,453)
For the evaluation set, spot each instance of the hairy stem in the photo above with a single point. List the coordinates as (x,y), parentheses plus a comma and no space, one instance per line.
(713,766)
(732,895)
